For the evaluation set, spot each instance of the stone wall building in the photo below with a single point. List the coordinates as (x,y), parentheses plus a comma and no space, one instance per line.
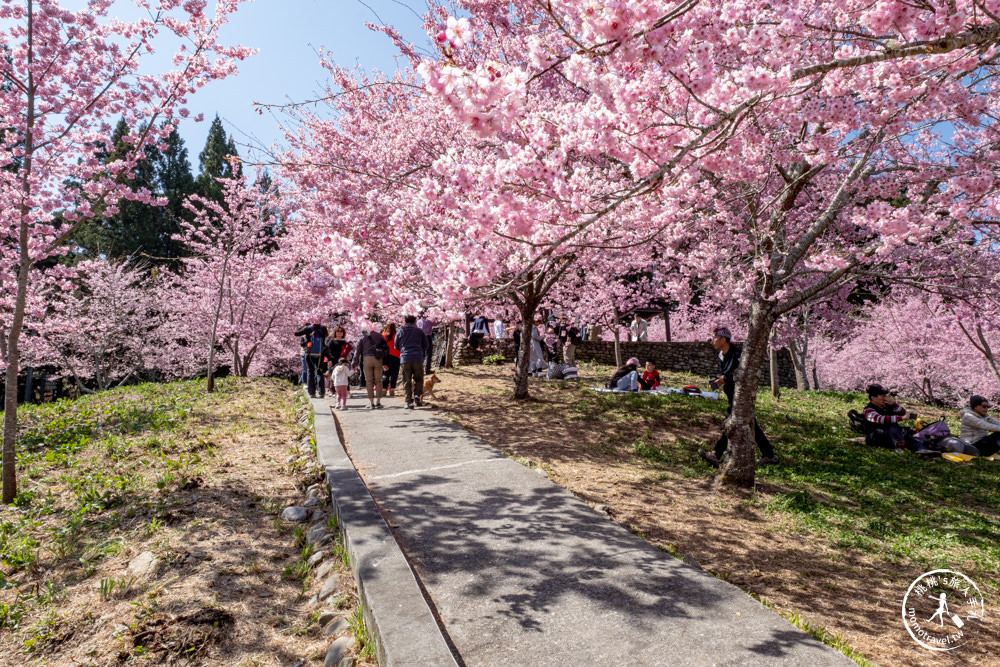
(697,358)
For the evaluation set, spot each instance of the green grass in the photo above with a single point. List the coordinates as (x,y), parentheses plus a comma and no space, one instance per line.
(926,512)
(918,513)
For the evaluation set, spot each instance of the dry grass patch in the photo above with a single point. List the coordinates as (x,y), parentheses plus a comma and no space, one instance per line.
(195,480)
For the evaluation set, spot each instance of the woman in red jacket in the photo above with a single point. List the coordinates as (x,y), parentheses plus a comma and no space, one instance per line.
(391,362)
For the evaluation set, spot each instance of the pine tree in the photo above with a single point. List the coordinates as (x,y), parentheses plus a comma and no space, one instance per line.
(213,161)
(140,229)
(176,183)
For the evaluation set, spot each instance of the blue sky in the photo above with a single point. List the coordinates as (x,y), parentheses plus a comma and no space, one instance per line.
(287,34)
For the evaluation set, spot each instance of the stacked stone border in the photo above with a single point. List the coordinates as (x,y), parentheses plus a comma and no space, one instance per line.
(687,357)
(399,620)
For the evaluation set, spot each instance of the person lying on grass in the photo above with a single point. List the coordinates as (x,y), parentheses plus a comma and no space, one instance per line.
(978,428)
(882,418)
(650,378)
(626,378)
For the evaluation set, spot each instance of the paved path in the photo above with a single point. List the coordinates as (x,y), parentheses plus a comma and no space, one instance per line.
(521,572)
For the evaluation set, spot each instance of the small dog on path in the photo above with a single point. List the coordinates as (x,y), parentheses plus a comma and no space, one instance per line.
(429,383)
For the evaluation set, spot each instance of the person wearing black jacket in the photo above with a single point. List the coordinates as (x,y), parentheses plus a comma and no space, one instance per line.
(729,362)
(315,349)
(370,356)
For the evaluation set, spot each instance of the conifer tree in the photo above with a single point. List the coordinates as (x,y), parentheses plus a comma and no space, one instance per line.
(214,163)
(176,184)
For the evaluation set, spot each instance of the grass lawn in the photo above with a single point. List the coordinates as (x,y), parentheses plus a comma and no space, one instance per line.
(198,481)
(831,538)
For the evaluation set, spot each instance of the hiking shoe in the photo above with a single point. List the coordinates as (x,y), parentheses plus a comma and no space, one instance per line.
(768,461)
(371,406)
(418,402)
(409,406)
(710,457)
(379,406)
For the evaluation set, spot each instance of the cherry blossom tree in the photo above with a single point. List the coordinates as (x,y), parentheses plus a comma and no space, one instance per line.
(780,150)
(66,77)
(235,289)
(912,342)
(102,330)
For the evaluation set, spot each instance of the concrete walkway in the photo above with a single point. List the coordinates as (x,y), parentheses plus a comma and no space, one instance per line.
(521,572)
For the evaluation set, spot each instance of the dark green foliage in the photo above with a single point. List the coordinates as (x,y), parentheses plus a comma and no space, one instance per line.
(213,162)
(140,229)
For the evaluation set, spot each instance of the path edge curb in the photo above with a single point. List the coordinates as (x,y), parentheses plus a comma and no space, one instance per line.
(397,615)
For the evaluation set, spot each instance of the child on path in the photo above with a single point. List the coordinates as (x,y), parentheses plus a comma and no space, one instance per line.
(340,373)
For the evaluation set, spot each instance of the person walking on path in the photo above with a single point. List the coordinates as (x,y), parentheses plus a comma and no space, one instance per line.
(427,327)
(729,362)
(340,382)
(337,347)
(369,354)
(978,428)
(304,352)
(315,349)
(391,376)
(412,345)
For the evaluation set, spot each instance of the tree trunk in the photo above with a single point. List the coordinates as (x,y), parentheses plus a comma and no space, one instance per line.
(13,363)
(524,353)
(775,380)
(799,364)
(739,467)
(928,390)
(9,456)
(618,347)
(210,386)
(815,376)
(449,351)
(666,324)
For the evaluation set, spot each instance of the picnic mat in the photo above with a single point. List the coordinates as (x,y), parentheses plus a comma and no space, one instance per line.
(713,395)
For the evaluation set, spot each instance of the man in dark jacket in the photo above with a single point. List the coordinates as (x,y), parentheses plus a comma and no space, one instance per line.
(315,335)
(729,362)
(412,345)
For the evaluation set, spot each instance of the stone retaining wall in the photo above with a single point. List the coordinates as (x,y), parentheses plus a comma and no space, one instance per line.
(697,358)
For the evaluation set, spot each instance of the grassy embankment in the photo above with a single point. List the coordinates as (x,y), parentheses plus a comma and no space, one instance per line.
(197,480)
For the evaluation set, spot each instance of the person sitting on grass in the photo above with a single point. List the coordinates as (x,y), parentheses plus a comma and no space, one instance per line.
(882,418)
(650,377)
(626,378)
(978,428)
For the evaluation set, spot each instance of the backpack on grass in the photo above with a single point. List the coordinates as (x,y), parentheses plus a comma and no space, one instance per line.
(856,422)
